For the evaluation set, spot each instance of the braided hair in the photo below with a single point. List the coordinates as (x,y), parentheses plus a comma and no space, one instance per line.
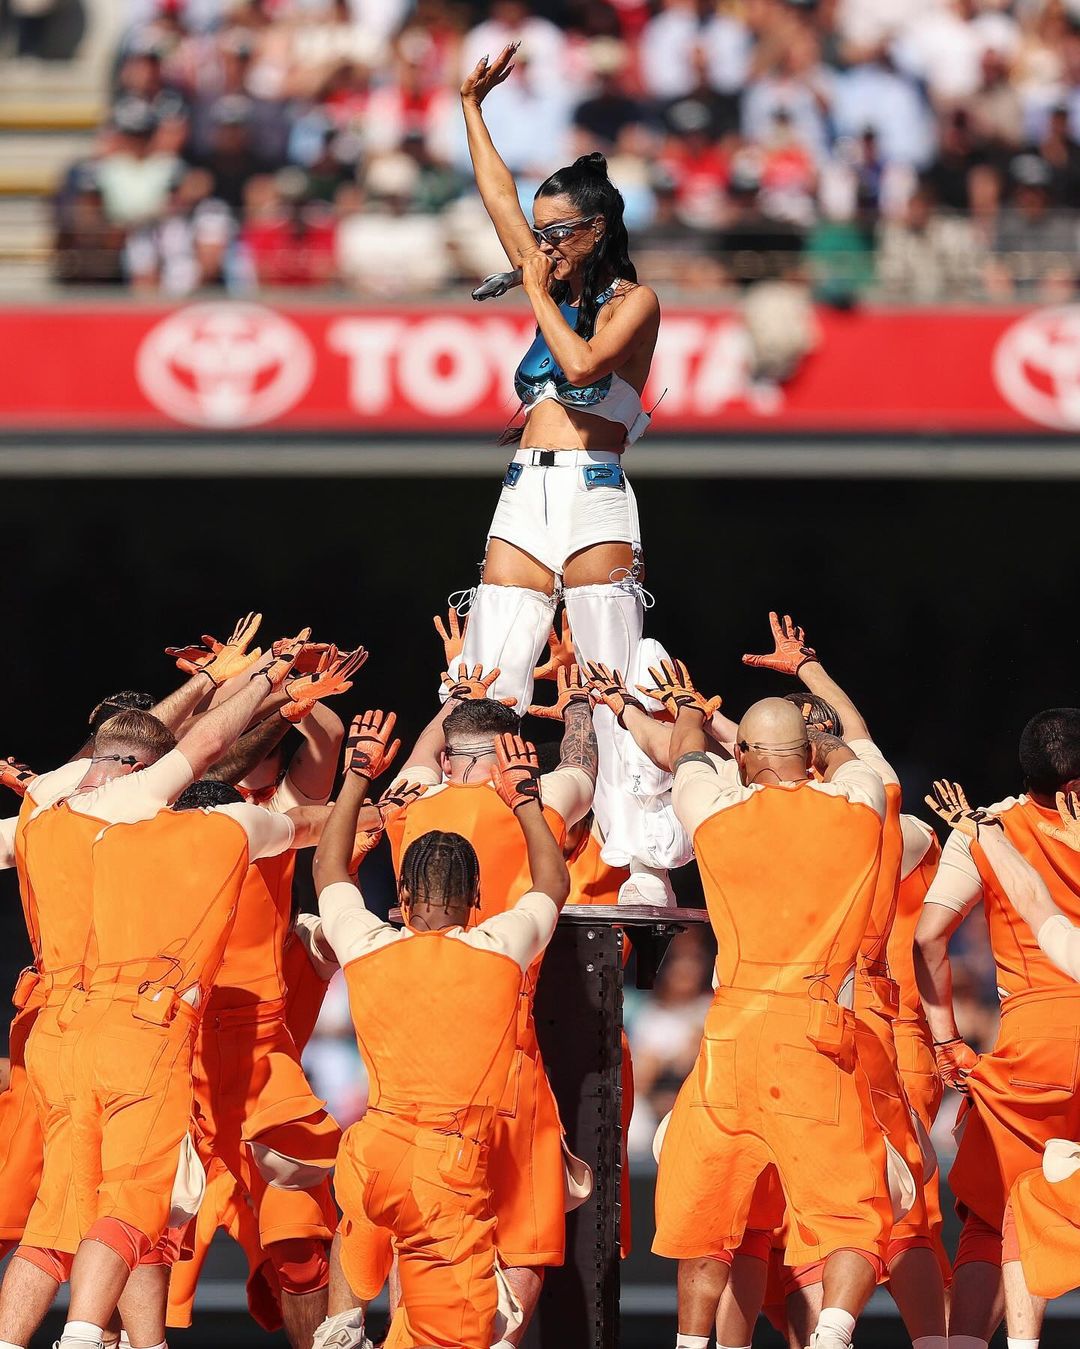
(205,794)
(817,712)
(588,186)
(441,870)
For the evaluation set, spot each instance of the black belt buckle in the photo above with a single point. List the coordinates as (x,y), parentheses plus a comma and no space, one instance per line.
(546,458)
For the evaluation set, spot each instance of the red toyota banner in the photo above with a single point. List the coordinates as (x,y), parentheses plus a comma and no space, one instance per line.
(222,365)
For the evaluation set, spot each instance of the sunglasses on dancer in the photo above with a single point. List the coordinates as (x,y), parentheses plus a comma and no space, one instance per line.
(563,229)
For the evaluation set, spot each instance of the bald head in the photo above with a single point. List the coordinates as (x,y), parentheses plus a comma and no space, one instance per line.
(772,744)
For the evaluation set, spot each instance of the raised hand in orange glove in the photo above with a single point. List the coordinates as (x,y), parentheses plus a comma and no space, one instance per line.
(517,771)
(1069,830)
(955,1060)
(572,688)
(673,687)
(609,687)
(281,665)
(313,657)
(949,803)
(560,651)
(471,687)
(15,776)
(398,797)
(791,651)
(452,634)
(369,750)
(221,660)
(332,679)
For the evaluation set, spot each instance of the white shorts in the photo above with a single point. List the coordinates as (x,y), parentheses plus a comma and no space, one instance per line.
(551,512)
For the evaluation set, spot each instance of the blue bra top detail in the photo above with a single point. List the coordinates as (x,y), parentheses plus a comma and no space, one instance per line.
(538,379)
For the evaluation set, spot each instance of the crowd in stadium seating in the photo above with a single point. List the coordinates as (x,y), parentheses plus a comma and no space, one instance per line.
(918,149)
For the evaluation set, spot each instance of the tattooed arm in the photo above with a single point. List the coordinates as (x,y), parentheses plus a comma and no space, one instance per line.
(578,748)
(829,753)
(569,789)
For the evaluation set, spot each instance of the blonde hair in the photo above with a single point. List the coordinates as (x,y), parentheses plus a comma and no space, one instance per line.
(134,732)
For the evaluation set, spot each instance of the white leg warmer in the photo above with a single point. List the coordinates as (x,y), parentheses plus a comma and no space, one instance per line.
(508,629)
(633,796)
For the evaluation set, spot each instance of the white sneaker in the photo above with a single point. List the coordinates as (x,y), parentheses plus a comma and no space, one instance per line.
(647,886)
(344,1331)
(70,1342)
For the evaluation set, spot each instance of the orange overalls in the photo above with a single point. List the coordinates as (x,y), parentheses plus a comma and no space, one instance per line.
(21,1143)
(526,1166)
(437,1024)
(1026,1090)
(250,1090)
(165,892)
(789,875)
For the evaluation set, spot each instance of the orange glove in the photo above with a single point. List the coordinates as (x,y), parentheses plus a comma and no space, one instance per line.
(949,803)
(221,660)
(572,688)
(280,667)
(675,689)
(16,776)
(294,713)
(609,687)
(517,771)
(369,750)
(470,687)
(560,652)
(398,797)
(955,1060)
(314,656)
(791,652)
(1069,832)
(366,841)
(453,639)
(331,680)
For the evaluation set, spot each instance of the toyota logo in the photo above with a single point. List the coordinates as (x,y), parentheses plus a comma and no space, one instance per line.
(1037,367)
(225,365)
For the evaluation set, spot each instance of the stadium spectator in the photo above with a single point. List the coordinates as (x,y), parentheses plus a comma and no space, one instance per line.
(88,247)
(134,176)
(288,239)
(232,158)
(1033,255)
(927,256)
(384,248)
(186,247)
(604,116)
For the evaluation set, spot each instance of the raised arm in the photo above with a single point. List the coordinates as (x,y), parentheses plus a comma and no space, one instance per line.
(673,687)
(427,751)
(573,708)
(369,751)
(494,180)
(517,780)
(314,765)
(651,736)
(793,656)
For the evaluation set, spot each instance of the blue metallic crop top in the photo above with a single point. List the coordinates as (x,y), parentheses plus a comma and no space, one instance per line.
(538,379)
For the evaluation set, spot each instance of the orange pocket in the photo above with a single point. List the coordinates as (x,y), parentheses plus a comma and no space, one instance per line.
(809,1085)
(1044,1064)
(717,1086)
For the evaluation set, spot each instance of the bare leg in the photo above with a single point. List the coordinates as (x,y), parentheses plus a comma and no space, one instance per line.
(849,1280)
(701,1286)
(741,1302)
(98,1279)
(506,565)
(526,1284)
(976,1300)
(303,1314)
(803,1309)
(341,1297)
(142,1304)
(1023,1311)
(26,1296)
(919,1291)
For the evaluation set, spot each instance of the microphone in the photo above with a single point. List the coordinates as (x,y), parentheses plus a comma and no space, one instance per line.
(497,284)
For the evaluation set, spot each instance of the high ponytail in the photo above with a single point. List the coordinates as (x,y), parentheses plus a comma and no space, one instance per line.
(588,186)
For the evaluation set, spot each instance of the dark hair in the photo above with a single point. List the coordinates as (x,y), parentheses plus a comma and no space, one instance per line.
(440,869)
(480,716)
(588,186)
(127,700)
(134,732)
(1050,750)
(817,712)
(205,793)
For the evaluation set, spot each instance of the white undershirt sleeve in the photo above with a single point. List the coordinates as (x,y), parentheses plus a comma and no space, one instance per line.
(957,884)
(347,925)
(520,933)
(701,789)
(268,832)
(569,792)
(868,753)
(859,783)
(7,842)
(1060,942)
(137,796)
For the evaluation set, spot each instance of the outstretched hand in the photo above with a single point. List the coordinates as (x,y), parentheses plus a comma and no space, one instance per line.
(949,803)
(485,75)
(15,776)
(572,688)
(673,687)
(369,750)
(560,651)
(473,687)
(1068,805)
(791,651)
(221,660)
(333,676)
(452,634)
(398,797)
(609,687)
(517,771)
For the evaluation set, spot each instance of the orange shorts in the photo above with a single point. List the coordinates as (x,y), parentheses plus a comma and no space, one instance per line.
(21,1141)
(526,1169)
(760,1094)
(1023,1093)
(390,1176)
(131,1117)
(922,1086)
